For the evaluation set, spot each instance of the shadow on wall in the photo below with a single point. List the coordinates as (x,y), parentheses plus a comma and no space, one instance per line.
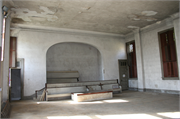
(80,57)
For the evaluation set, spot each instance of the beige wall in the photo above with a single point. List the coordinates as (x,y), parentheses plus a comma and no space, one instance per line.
(33,44)
(151,60)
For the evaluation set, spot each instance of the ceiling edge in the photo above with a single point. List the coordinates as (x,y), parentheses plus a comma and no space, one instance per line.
(52,29)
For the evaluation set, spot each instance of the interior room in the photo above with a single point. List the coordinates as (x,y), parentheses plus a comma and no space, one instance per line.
(90,59)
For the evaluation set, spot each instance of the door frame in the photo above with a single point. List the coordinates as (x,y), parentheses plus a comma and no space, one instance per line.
(127,71)
(21,66)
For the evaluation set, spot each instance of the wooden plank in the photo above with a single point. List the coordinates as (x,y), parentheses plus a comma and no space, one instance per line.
(52,91)
(62,80)
(90,93)
(6,110)
(79,97)
(62,72)
(58,95)
(82,83)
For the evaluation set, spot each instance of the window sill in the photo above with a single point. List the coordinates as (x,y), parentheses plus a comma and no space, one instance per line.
(170,78)
(132,78)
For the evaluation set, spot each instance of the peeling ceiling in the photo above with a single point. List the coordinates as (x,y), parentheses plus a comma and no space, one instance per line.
(109,16)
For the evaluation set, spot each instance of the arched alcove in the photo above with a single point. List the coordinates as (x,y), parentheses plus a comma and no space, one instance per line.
(80,57)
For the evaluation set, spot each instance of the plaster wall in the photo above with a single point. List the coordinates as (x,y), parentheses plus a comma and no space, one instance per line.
(79,57)
(32,45)
(152,67)
(152,61)
(176,23)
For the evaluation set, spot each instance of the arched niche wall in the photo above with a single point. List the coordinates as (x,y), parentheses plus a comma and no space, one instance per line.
(84,58)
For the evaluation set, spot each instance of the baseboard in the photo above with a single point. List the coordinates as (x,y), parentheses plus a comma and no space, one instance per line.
(28,97)
(155,90)
(134,89)
(163,91)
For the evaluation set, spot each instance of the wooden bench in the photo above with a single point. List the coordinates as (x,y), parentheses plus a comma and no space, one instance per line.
(5,111)
(62,76)
(63,90)
(60,84)
(62,93)
(91,96)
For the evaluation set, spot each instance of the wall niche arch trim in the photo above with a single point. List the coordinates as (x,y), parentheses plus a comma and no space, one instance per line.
(70,56)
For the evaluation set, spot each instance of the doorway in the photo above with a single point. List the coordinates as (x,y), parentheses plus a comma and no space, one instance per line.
(123,74)
(15,84)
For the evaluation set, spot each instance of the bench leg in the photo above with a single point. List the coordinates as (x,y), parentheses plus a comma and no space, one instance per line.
(46,96)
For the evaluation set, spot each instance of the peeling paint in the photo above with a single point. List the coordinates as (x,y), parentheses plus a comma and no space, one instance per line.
(88,8)
(133,27)
(151,19)
(147,26)
(60,10)
(53,18)
(38,18)
(148,13)
(137,17)
(17,20)
(158,22)
(25,12)
(46,10)
(27,15)
(15,32)
(91,16)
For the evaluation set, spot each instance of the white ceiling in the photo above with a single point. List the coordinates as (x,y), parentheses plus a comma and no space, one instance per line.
(109,16)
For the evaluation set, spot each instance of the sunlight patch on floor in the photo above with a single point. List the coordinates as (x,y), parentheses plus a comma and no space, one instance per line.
(68,117)
(128,116)
(173,115)
(95,102)
(114,101)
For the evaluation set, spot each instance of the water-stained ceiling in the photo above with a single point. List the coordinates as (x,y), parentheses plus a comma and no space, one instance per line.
(109,16)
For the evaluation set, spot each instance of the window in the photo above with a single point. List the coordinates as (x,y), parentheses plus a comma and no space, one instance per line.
(131,55)
(168,51)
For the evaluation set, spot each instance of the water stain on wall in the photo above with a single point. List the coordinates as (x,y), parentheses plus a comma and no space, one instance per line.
(145,15)
(17,20)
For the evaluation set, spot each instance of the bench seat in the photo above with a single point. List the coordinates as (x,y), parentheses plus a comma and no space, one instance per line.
(91,96)
(57,96)
(63,90)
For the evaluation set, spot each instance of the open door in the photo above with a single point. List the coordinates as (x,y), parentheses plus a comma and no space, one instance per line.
(123,74)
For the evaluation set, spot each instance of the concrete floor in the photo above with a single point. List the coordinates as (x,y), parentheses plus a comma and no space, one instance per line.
(128,105)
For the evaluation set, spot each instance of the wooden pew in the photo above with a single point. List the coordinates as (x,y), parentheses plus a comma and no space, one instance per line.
(64,90)
(62,76)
